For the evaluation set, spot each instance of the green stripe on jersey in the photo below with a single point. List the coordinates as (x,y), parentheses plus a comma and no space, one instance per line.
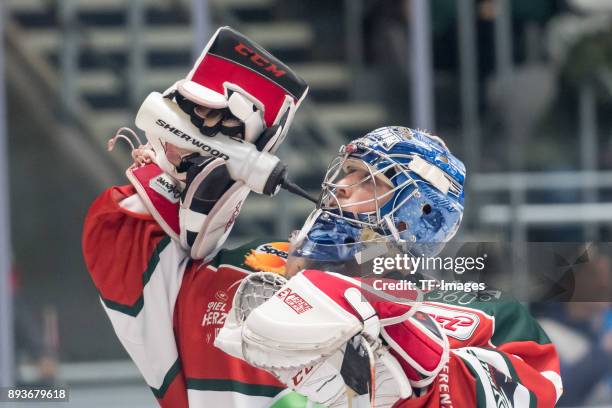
(136,307)
(168,378)
(146,276)
(259,390)
(533,399)
(131,310)
(481,399)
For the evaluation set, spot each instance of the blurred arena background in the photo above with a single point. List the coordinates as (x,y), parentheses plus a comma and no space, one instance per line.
(521,90)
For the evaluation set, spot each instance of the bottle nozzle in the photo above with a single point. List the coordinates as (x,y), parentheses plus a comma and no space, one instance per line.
(278,179)
(295,189)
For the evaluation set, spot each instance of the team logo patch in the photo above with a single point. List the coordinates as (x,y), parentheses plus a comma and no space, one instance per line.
(391,139)
(221,296)
(294,301)
(455,323)
(270,257)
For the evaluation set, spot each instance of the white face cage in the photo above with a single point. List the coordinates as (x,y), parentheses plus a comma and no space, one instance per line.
(347,161)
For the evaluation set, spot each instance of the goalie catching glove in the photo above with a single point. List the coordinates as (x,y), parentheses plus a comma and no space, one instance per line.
(201,215)
(308,330)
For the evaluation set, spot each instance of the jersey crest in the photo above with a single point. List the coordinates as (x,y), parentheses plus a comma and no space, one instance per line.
(456,323)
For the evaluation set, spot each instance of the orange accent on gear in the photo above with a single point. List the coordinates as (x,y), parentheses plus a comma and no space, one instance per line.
(265,262)
(281,246)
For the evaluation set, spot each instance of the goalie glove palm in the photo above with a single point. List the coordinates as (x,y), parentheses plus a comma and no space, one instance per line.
(201,215)
(210,204)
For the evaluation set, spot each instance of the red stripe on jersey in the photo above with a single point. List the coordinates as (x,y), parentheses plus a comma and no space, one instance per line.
(117,246)
(542,357)
(175,395)
(532,379)
(454,387)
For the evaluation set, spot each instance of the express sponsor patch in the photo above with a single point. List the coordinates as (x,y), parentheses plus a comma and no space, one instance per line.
(294,300)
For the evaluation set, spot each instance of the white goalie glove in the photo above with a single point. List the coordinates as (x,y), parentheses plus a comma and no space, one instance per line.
(231,106)
(211,139)
(334,339)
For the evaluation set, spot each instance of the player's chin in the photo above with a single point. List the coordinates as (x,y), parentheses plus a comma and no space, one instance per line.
(294,265)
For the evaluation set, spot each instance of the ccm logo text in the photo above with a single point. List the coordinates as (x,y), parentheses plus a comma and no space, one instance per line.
(259,60)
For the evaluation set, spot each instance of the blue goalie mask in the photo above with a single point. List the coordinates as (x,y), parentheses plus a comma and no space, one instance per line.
(415,207)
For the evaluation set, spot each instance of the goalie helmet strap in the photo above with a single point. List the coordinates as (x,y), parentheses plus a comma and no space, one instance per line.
(430,173)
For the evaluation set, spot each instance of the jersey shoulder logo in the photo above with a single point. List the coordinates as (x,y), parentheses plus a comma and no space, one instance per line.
(269,257)
(456,323)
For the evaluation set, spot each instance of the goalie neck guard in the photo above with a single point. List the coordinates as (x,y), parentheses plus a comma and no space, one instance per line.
(417,212)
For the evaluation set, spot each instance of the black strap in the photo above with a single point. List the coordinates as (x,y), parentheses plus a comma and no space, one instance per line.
(189,107)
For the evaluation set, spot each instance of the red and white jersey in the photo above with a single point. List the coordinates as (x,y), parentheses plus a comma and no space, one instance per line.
(500,357)
(167,310)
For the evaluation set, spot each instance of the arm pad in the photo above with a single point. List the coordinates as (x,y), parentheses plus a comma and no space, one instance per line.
(160,194)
